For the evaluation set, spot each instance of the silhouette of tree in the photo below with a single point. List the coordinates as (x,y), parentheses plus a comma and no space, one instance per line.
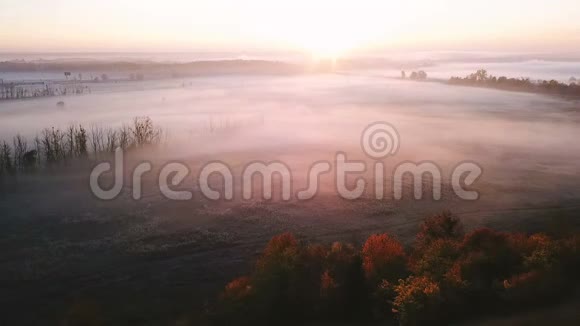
(481,75)
(418,75)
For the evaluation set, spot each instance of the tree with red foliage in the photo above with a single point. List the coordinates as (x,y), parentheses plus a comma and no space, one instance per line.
(384,258)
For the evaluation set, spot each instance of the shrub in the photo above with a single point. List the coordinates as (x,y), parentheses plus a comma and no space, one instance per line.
(383,259)
(417,301)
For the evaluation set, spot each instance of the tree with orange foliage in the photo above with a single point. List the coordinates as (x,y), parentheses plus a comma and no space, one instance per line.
(282,252)
(440,226)
(417,301)
(435,259)
(384,258)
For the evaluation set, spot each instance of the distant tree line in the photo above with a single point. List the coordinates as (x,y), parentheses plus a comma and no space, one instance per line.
(13,91)
(482,78)
(54,146)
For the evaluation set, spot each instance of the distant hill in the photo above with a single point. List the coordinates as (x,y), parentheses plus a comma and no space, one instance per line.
(176,69)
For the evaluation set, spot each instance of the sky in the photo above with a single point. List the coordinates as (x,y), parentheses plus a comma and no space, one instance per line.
(322,27)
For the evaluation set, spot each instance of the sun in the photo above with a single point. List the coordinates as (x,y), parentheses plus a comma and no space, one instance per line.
(333,30)
(326,28)
(328,36)
(327,39)
(328,45)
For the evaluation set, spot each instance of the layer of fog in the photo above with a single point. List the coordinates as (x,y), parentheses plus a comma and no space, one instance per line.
(525,143)
(435,121)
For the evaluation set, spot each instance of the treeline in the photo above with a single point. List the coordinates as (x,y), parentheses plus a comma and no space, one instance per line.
(481,78)
(447,276)
(53,146)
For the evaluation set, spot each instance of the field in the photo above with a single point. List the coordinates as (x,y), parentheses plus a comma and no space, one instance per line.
(157,261)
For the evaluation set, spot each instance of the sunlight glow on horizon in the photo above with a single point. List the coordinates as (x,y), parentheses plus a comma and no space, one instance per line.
(322,28)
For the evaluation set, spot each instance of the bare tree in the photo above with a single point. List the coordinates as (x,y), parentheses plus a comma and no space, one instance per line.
(125,137)
(111,135)
(70,141)
(38,146)
(20,148)
(6,154)
(97,139)
(81,142)
(58,145)
(144,133)
(49,156)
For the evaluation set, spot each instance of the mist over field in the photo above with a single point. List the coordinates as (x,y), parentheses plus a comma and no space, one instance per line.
(309,117)
(327,109)
(525,143)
